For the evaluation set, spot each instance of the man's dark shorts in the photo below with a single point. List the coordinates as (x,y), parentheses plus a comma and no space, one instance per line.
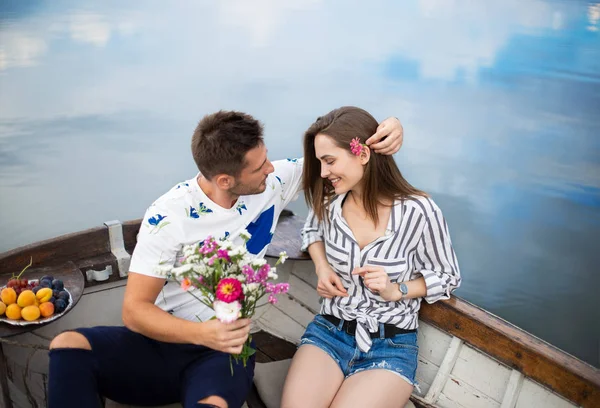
(134,369)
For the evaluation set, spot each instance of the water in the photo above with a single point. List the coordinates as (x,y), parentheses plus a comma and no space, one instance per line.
(500,103)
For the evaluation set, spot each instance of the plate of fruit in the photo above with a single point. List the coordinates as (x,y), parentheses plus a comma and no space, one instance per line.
(36,301)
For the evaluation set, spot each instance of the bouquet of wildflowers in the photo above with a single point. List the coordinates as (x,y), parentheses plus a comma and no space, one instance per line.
(230,279)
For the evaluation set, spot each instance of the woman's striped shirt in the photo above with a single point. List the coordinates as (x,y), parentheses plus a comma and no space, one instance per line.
(416,243)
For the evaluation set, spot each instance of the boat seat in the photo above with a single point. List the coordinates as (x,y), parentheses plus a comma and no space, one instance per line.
(269,379)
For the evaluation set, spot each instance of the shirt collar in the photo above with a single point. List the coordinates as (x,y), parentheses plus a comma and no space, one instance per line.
(335,211)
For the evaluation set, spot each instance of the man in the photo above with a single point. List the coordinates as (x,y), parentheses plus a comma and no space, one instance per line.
(170,350)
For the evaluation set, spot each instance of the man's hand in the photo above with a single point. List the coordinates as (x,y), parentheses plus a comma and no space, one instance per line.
(330,284)
(225,337)
(392,133)
(378,281)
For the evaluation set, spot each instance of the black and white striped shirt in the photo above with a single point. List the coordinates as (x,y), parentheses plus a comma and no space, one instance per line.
(416,242)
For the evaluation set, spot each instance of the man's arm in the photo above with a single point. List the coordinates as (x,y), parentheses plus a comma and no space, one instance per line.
(141,315)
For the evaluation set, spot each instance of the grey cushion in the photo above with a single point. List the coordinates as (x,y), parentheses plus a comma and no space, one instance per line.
(269,379)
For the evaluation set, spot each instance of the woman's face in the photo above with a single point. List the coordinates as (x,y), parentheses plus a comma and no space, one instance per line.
(343,169)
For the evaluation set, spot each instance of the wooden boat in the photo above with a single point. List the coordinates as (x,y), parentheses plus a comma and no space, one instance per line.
(467,356)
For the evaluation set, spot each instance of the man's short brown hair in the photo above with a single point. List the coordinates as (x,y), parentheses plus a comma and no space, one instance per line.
(221,141)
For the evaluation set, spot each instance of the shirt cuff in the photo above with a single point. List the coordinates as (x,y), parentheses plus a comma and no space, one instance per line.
(436,288)
(309,237)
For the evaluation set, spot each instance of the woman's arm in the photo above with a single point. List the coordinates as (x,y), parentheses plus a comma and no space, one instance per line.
(330,284)
(435,258)
(377,280)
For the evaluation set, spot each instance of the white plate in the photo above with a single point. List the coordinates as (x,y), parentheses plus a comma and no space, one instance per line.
(43,320)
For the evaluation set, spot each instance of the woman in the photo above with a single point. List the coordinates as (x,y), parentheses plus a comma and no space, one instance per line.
(387,246)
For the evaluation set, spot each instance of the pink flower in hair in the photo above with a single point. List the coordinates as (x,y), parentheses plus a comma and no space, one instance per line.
(356,147)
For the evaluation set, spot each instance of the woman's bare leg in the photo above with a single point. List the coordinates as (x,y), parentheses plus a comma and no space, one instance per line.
(373,388)
(313,380)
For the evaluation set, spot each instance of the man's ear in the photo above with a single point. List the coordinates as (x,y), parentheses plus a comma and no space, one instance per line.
(224,181)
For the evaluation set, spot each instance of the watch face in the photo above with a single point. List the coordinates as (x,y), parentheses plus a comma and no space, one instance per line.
(403,288)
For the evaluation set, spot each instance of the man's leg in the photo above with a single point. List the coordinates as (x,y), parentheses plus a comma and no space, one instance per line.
(113,362)
(72,372)
(208,380)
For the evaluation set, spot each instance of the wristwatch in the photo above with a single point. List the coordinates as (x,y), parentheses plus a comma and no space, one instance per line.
(403,289)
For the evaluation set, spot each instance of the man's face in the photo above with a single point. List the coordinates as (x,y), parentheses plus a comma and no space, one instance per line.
(253,178)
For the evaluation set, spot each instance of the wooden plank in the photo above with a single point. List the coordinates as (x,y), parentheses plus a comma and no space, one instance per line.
(483,373)
(57,251)
(7,402)
(305,271)
(287,237)
(273,347)
(262,357)
(458,393)
(433,343)
(426,372)
(544,363)
(276,322)
(513,389)
(444,372)
(295,310)
(130,231)
(304,294)
(534,395)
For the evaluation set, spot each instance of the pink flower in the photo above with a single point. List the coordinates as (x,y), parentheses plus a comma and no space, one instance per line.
(277,289)
(186,284)
(211,261)
(207,246)
(229,290)
(272,299)
(263,273)
(222,253)
(252,276)
(356,146)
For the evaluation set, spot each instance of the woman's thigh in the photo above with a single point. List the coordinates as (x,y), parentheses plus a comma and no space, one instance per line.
(373,388)
(313,379)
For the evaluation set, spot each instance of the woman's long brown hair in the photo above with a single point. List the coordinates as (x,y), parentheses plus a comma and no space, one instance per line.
(383,181)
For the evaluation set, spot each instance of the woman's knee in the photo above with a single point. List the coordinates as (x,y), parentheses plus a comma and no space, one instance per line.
(70,339)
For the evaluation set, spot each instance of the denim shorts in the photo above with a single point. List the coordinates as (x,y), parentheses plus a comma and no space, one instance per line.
(398,354)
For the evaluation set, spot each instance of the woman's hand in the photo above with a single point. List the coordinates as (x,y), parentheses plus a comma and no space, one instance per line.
(393,134)
(378,281)
(330,284)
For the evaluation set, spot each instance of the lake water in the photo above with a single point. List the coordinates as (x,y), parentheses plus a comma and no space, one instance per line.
(500,102)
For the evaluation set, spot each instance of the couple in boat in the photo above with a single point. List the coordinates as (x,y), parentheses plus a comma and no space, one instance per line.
(380,246)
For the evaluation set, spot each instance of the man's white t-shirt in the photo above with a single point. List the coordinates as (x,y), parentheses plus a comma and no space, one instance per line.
(185,215)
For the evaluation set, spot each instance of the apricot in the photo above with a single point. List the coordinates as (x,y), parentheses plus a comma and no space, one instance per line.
(46,309)
(8,296)
(26,298)
(30,313)
(2,308)
(44,295)
(13,311)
